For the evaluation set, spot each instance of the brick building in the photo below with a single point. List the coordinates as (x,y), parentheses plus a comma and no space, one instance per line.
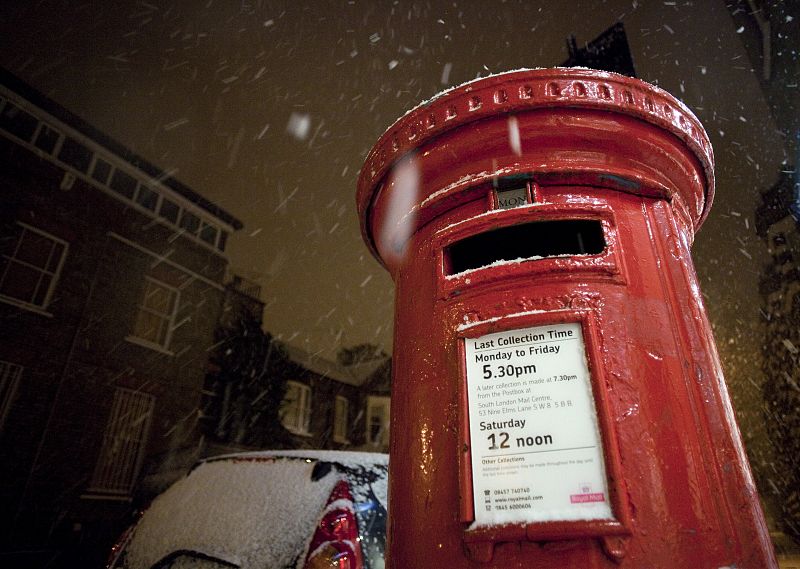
(111,283)
(268,395)
(338,406)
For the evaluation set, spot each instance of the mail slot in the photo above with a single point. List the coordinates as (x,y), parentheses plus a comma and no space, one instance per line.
(557,398)
(526,241)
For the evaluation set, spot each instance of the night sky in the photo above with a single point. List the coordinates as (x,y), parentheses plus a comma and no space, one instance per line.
(269,108)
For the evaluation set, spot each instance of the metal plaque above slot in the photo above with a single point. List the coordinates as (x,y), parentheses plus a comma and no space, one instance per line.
(512,191)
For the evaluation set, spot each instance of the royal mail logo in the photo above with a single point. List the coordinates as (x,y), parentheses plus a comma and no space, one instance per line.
(584,498)
(586,495)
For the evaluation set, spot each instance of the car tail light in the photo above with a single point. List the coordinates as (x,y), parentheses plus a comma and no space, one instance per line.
(118,549)
(335,544)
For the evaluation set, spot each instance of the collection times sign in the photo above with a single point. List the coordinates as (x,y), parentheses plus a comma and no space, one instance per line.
(536,449)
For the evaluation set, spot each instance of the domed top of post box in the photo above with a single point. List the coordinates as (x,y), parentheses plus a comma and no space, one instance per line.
(517,92)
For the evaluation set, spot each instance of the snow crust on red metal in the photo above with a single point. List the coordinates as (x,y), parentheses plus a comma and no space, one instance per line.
(527,90)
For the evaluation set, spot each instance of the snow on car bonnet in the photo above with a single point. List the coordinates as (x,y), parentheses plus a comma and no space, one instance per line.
(253,513)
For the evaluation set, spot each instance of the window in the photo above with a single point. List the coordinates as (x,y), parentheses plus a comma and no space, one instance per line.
(208,233)
(156,316)
(296,408)
(75,154)
(47,139)
(123,442)
(169,210)
(223,239)
(101,170)
(123,184)
(340,413)
(18,122)
(147,198)
(378,420)
(30,265)
(9,378)
(190,222)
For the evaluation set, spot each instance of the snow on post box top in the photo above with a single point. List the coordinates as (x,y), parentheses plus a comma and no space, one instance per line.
(676,163)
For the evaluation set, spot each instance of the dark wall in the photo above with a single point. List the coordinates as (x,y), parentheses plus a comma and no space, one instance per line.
(323,397)
(75,357)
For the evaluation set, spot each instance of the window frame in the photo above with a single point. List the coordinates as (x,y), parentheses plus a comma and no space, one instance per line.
(341,413)
(5,124)
(43,126)
(118,424)
(10,377)
(143,194)
(374,402)
(55,275)
(187,220)
(170,318)
(93,170)
(167,203)
(79,156)
(302,424)
(204,226)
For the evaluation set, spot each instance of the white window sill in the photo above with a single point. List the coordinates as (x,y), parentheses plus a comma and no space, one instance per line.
(93,495)
(26,306)
(298,432)
(149,345)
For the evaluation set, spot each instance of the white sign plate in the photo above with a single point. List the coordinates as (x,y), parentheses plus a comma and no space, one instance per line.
(536,449)
(506,199)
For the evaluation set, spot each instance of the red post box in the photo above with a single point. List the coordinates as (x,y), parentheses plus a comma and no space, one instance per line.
(558,399)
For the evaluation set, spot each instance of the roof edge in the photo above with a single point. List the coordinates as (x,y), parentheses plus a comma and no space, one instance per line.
(37,98)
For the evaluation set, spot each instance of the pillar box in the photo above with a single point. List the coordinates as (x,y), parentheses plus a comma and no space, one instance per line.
(557,399)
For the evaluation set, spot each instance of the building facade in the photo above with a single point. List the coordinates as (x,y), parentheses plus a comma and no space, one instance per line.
(777,223)
(111,284)
(335,405)
(262,394)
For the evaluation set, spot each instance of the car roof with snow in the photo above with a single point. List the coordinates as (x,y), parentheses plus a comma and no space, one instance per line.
(256,510)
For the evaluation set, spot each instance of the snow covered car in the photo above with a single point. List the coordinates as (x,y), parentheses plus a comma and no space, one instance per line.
(266,510)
